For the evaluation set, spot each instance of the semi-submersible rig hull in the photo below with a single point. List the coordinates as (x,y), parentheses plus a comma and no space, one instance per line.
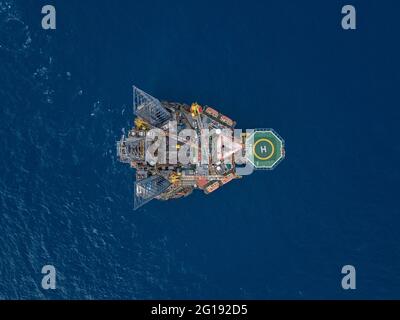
(164,180)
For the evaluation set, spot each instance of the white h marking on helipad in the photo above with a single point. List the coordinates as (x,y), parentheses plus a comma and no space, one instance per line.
(264,149)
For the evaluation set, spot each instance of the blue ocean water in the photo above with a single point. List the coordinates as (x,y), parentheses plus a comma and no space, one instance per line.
(65,99)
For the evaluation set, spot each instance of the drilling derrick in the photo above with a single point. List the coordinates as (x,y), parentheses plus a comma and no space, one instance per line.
(131,149)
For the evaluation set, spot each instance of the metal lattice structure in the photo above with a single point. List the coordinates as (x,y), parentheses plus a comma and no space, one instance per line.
(131,149)
(149,188)
(149,108)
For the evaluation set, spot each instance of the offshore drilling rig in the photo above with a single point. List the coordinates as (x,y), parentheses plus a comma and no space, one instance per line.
(215,158)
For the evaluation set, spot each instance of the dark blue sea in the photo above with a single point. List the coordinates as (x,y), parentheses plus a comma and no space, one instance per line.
(333,95)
